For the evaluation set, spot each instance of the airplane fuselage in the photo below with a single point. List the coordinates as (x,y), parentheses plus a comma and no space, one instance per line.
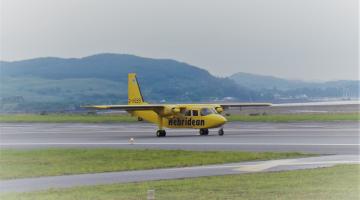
(196,116)
(192,116)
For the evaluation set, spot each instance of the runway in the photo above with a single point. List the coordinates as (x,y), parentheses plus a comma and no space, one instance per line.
(310,137)
(68,181)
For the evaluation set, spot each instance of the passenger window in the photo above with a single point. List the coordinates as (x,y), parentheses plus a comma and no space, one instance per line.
(195,113)
(205,111)
(187,112)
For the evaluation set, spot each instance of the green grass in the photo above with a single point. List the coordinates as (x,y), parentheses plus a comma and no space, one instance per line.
(78,118)
(50,162)
(339,182)
(296,117)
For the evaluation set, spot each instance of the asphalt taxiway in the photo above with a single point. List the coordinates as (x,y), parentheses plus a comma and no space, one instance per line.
(310,137)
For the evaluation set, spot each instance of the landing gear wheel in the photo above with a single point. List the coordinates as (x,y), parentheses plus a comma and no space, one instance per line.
(204,131)
(221,132)
(161,133)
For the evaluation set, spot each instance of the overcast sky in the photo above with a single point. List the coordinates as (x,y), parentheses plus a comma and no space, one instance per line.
(297,39)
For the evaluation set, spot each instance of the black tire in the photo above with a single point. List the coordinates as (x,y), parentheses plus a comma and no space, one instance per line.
(204,131)
(158,133)
(161,133)
(221,132)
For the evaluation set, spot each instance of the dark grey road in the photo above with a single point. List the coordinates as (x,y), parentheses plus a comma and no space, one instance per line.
(323,138)
(43,183)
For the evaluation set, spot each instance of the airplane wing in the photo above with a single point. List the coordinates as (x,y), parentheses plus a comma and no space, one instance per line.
(240,105)
(330,103)
(126,107)
(159,106)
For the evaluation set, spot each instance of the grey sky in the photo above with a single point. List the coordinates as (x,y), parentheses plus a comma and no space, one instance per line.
(298,39)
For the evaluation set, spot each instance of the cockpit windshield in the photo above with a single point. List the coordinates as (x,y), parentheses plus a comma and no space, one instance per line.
(206,111)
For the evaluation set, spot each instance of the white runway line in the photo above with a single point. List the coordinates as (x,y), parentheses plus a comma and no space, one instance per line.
(266,165)
(195,134)
(171,143)
(182,131)
(277,163)
(302,136)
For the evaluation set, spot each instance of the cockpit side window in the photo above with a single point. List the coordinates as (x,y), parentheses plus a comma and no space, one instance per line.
(195,113)
(206,111)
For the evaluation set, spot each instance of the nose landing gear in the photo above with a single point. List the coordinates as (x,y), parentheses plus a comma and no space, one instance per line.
(204,131)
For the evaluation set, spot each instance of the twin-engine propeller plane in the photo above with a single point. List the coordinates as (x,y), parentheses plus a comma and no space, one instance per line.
(195,116)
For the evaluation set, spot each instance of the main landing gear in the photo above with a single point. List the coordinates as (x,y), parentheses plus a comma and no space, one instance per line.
(221,132)
(204,131)
(161,133)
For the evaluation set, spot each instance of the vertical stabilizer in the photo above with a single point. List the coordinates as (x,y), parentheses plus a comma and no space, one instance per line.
(134,92)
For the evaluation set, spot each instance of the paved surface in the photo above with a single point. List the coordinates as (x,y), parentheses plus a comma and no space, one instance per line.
(43,183)
(323,138)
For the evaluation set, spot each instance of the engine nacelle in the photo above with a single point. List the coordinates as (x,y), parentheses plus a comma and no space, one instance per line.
(219,109)
(170,111)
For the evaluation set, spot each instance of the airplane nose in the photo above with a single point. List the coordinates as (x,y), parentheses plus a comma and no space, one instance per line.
(222,120)
(215,120)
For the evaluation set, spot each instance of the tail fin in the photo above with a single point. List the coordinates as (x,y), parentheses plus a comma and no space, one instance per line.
(134,92)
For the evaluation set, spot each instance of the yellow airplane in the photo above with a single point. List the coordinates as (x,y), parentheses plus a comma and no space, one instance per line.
(196,116)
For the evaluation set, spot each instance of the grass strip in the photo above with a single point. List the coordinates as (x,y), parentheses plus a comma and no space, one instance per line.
(50,162)
(339,182)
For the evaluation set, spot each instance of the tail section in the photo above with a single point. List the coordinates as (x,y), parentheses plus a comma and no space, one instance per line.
(134,92)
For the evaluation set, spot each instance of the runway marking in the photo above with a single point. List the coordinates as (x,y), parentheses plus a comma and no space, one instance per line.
(267,165)
(172,143)
(228,135)
(191,130)
(302,136)
(177,131)
(277,163)
(263,166)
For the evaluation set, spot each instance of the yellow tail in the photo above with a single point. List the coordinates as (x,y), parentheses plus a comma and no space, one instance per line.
(134,92)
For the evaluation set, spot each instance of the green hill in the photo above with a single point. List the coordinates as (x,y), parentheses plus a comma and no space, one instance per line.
(259,82)
(294,88)
(57,83)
